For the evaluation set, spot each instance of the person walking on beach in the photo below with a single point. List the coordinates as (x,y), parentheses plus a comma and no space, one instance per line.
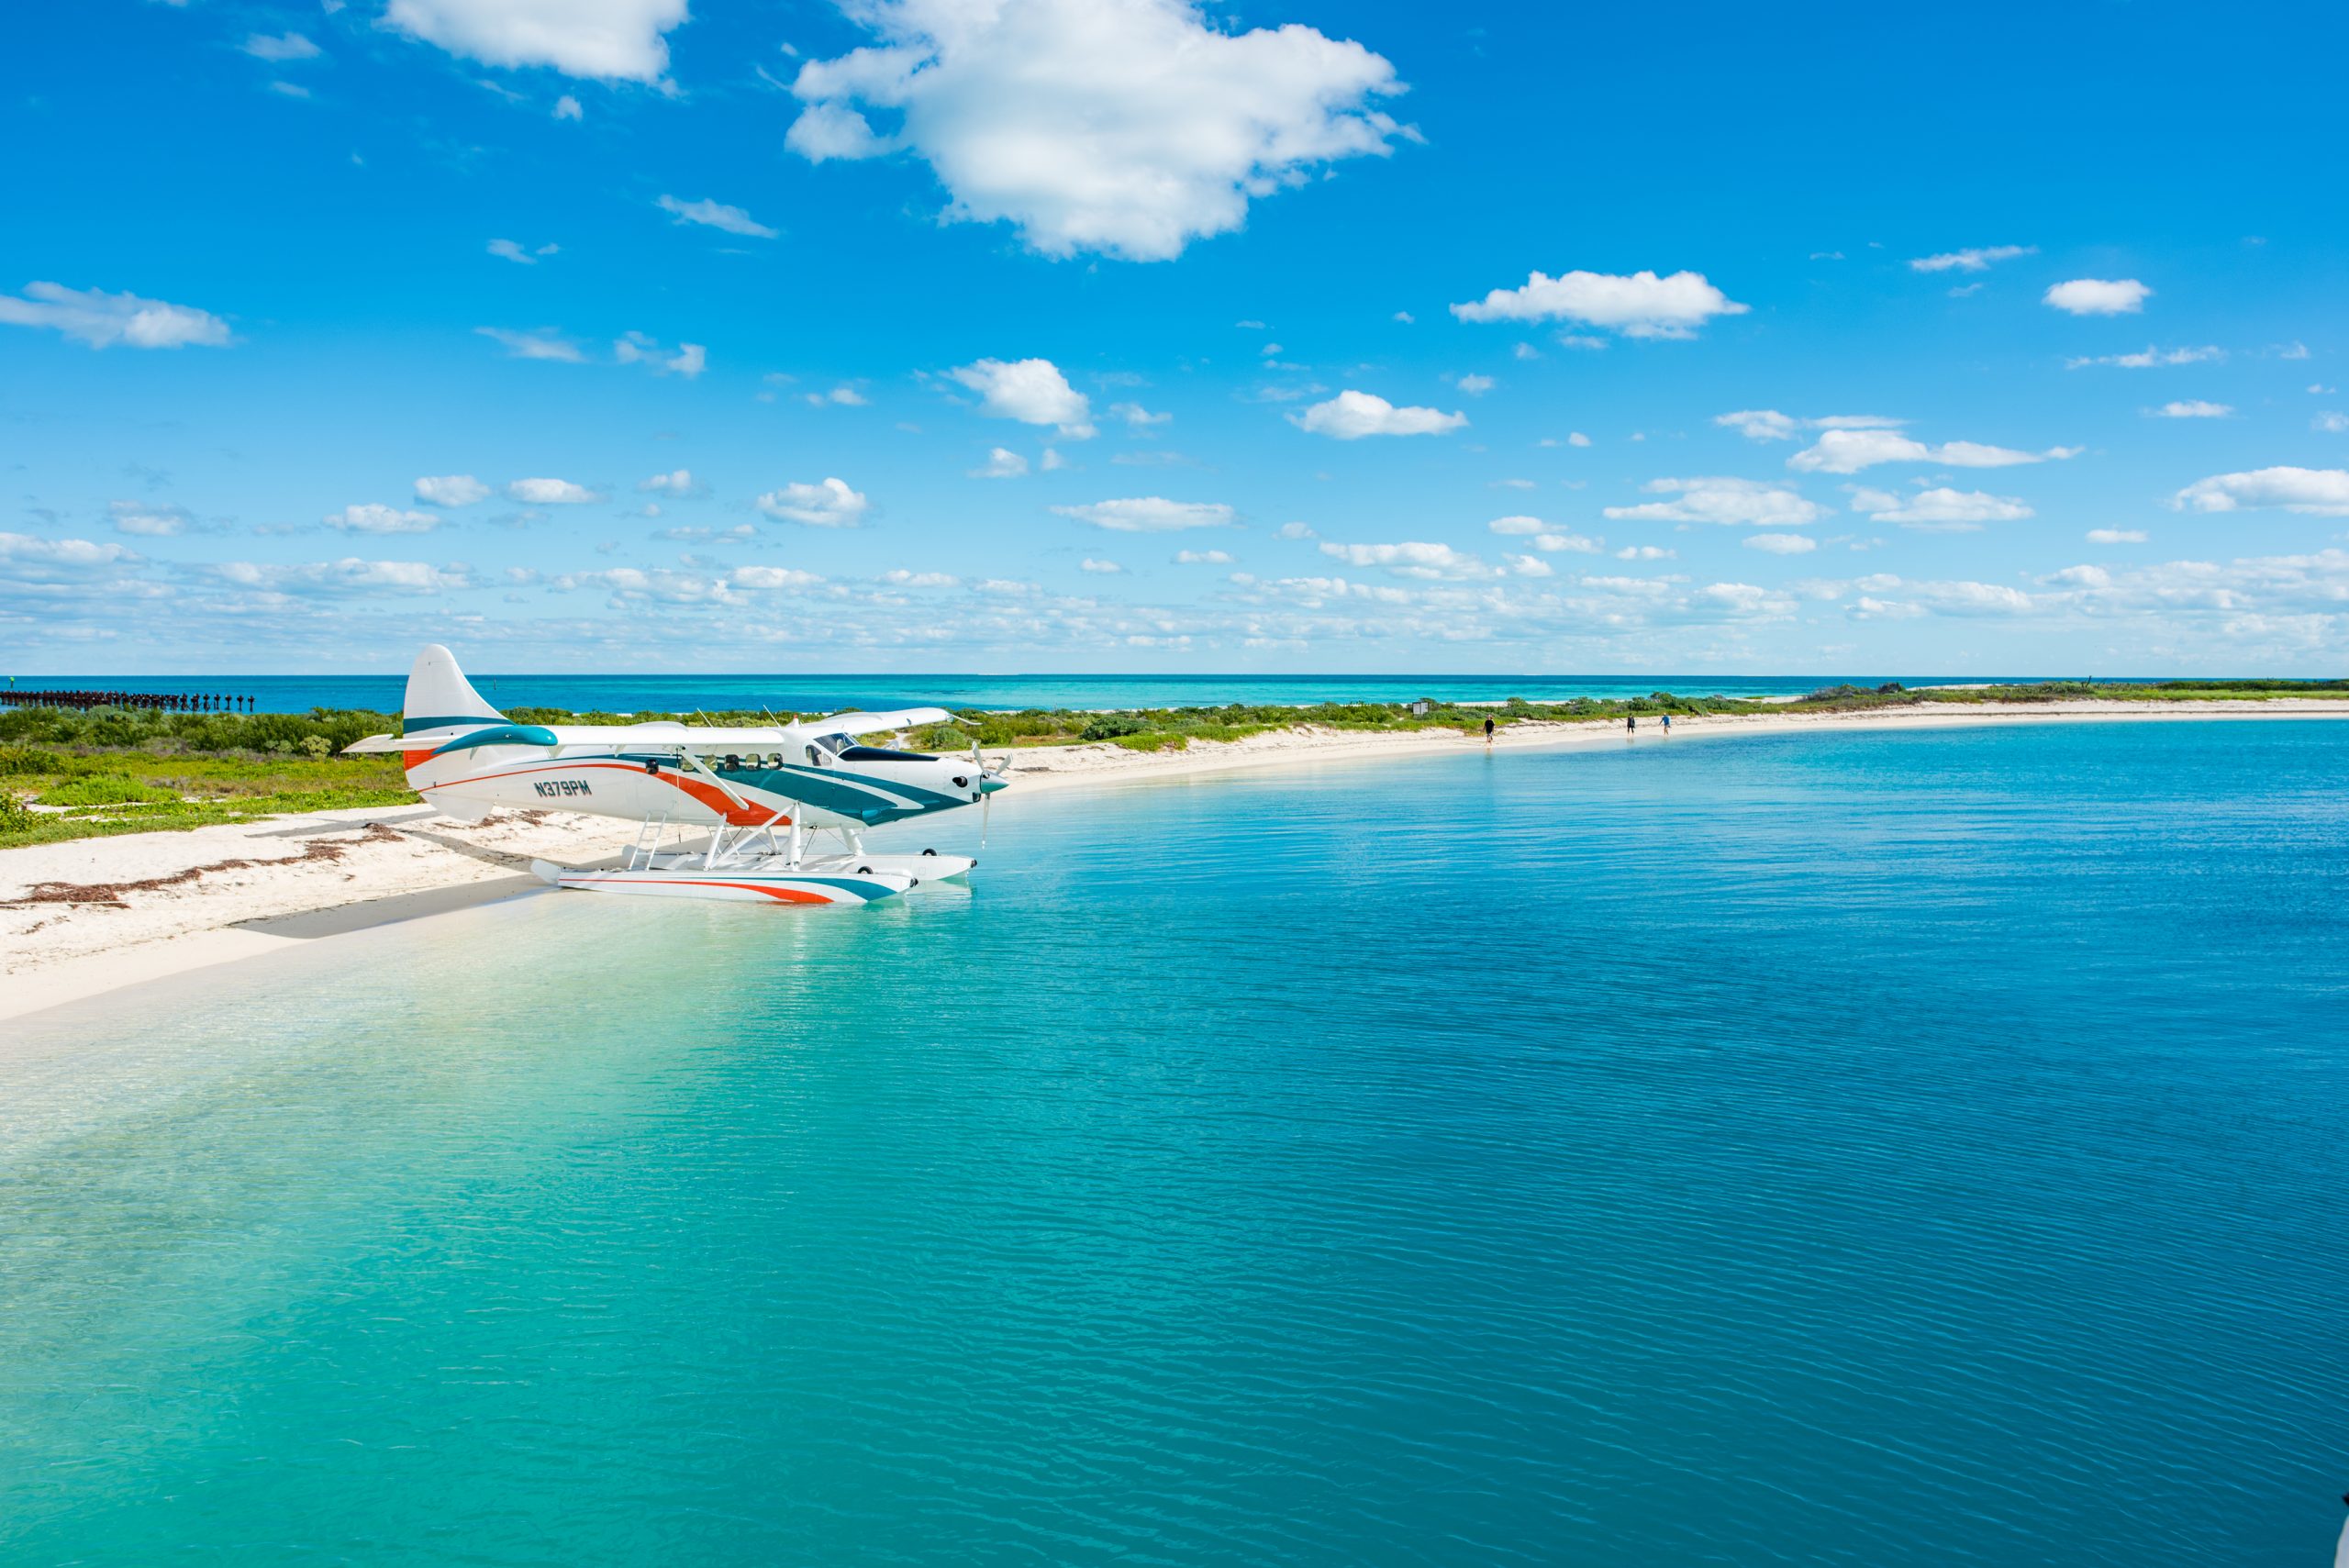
(1630,722)
(1667,724)
(1488,732)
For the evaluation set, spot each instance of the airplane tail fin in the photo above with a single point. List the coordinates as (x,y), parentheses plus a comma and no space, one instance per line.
(438,694)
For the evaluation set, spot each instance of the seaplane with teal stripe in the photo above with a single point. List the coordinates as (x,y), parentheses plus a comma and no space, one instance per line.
(763,794)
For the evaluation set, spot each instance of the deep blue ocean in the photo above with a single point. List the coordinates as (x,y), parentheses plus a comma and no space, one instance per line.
(830,693)
(1870,1149)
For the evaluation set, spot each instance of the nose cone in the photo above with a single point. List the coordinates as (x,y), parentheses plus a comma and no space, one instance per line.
(988,784)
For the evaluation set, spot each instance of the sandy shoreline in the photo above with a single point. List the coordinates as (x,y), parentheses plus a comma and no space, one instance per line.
(188,900)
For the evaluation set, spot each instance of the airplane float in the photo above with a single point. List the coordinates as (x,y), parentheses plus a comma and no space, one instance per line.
(763,793)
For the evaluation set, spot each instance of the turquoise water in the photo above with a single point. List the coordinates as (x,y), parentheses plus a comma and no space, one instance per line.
(1896,1148)
(830,693)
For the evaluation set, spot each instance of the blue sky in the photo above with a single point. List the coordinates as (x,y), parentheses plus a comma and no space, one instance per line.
(1031,335)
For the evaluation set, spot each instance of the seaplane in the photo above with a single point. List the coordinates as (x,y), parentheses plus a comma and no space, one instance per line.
(763,794)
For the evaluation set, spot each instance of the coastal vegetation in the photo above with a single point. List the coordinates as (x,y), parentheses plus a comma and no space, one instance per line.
(67,775)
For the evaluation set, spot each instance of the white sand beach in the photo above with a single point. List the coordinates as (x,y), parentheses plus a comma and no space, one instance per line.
(90,915)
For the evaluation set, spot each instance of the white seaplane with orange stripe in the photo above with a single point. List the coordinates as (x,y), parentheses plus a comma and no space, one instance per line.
(762,793)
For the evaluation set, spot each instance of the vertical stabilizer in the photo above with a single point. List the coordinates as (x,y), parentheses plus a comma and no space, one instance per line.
(438,694)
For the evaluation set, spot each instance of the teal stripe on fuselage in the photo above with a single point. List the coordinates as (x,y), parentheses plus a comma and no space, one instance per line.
(845,794)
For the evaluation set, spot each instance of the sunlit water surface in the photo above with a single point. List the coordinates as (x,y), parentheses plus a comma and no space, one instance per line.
(1922,1148)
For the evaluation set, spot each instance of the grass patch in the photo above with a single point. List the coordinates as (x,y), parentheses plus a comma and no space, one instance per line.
(107,789)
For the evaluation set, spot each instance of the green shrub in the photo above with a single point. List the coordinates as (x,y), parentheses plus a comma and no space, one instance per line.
(104,789)
(1113,726)
(30,759)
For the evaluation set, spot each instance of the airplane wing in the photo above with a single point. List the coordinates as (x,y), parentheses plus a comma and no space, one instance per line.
(874,723)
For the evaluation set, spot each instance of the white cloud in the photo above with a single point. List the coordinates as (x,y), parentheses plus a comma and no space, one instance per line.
(832,504)
(1782,544)
(103,320)
(1002,463)
(2098,297)
(567,108)
(1657,552)
(369,518)
(716,214)
(1518,525)
(842,395)
(2116,535)
(1761,424)
(1941,510)
(451,490)
(1475,385)
(638,348)
(155,522)
(25,556)
(1769,425)
(1577,439)
(2150,358)
(1149,514)
(766,578)
(1294,530)
(2332,422)
(1351,416)
(1849,450)
(2193,409)
(289,89)
(279,46)
(1033,392)
(1729,501)
(1527,566)
(1202,558)
(1412,558)
(1975,261)
(677,482)
(603,39)
(348,575)
(1639,305)
(510,251)
(1140,417)
(2323,492)
(1124,126)
(1051,460)
(1105,568)
(540,343)
(550,492)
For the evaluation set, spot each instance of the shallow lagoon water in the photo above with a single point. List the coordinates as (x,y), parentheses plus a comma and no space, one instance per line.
(1888,1147)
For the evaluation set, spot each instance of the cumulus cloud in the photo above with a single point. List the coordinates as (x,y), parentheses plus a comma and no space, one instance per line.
(2322,492)
(1940,510)
(1475,385)
(1103,568)
(550,492)
(2116,535)
(1149,514)
(1729,500)
(676,481)
(370,517)
(1351,416)
(832,504)
(1127,128)
(1002,463)
(1543,536)
(1849,450)
(1202,558)
(2332,422)
(2149,358)
(348,575)
(603,40)
(637,348)
(716,214)
(539,343)
(567,108)
(2098,297)
(1975,261)
(1412,558)
(843,395)
(1639,305)
(451,490)
(1033,392)
(105,320)
(279,46)
(1769,425)
(1138,416)
(1782,544)
(140,517)
(2195,408)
